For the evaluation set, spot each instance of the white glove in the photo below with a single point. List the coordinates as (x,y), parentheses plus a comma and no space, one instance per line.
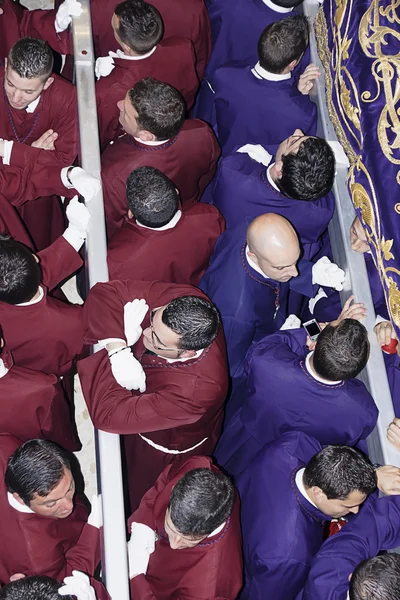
(77,585)
(104,66)
(257,153)
(292,322)
(134,313)
(140,546)
(87,185)
(67,10)
(128,371)
(313,301)
(327,273)
(78,217)
(96,516)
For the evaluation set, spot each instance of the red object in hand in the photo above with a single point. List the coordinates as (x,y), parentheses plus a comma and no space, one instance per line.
(390,348)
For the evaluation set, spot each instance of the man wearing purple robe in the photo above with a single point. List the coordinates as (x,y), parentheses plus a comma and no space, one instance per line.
(296,384)
(262,104)
(288,494)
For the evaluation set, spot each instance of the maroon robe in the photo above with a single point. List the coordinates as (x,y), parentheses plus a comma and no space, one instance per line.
(33,406)
(182,18)
(17,22)
(36,545)
(183,401)
(173,62)
(183,252)
(48,335)
(11,223)
(57,110)
(189,160)
(210,570)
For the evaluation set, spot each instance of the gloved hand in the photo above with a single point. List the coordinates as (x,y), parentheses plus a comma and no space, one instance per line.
(67,10)
(78,217)
(77,585)
(140,546)
(327,273)
(292,322)
(257,153)
(104,66)
(96,516)
(128,371)
(313,301)
(134,313)
(87,185)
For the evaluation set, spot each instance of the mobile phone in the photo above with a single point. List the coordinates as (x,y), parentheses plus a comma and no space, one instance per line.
(313,329)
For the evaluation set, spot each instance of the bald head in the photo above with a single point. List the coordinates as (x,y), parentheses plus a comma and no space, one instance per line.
(274,246)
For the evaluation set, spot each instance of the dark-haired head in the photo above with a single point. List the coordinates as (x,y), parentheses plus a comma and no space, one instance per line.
(20,274)
(152,197)
(287,3)
(341,351)
(376,578)
(196,321)
(37,587)
(138,26)
(283,43)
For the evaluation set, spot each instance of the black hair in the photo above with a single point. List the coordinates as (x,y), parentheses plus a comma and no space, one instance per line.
(309,174)
(30,58)
(340,470)
(287,3)
(20,274)
(151,196)
(341,352)
(36,467)
(195,320)
(283,42)
(160,107)
(37,587)
(140,25)
(376,578)
(200,502)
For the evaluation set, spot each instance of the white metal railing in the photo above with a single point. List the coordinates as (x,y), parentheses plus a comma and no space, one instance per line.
(108,453)
(356,282)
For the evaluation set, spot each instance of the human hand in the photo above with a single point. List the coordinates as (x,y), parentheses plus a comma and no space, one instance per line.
(77,585)
(85,184)
(307,78)
(385,332)
(104,66)
(46,140)
(351,311)
(78,217)
(128,371)
(140,546)
(388,480)
(67,10)
(134,313)
(327,273)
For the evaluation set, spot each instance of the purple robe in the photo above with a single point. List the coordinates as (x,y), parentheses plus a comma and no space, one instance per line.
(249,110)
(251,306)
(282,396)
(282,531)
(375,528)
(241,189)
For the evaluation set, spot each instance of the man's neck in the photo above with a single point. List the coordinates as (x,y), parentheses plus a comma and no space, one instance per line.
(35,299)
(271,176)
(310,368)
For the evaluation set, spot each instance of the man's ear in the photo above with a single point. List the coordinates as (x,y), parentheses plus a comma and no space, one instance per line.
(188,354)
(130,214)
(18,498)
(48,83)
(253,257)
(278,169)
(293,64)
(146,136)
(318,493)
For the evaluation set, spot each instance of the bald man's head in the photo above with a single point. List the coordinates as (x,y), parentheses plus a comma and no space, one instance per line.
(274,246)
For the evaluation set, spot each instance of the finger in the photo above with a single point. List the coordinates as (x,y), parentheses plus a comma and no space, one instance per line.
(347,304)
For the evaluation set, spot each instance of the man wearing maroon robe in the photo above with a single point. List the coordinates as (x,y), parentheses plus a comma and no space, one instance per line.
(177,412)
(48,533)
(154,226)
(43,333)
(182,18)
(38,124)
(138,29)
(210,566)
(157,135)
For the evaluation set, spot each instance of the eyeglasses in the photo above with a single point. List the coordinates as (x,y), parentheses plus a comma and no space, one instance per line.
(154,336)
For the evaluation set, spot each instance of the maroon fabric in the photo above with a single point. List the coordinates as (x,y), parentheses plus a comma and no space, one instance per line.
(189,160)
(11,223)
(33,405)
(211,570)
(182,18)
(46,336)
(183,252)
(172,62)
(19,185)
(183,401)
(37,545)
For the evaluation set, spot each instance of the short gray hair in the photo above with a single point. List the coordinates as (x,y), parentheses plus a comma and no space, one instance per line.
(30,58)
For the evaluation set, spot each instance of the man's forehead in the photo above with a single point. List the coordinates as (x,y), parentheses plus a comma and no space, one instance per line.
(23,82)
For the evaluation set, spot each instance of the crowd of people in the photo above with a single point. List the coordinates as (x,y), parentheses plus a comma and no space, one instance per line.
(224,359)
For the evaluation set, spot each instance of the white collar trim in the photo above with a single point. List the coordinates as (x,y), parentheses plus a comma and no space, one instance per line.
(314,375)
(33,105)
(173,360)
(3,369)
(35,301)
(120,54)
(270,180)
(150,143)
(254,265)
(301,488)
(17,505)
(261,73)
(218,530)
(276,8)
(175,219)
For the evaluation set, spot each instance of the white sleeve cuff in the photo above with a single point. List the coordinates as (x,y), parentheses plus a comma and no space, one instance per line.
(8,145)
(103,343)
(64,179)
